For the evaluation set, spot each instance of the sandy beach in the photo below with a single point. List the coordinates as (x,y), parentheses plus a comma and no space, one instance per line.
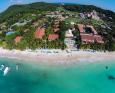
(57,56)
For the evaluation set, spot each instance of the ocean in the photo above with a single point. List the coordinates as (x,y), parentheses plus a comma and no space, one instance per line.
(86,77)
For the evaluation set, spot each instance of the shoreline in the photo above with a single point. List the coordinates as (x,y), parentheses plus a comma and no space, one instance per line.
(57,56)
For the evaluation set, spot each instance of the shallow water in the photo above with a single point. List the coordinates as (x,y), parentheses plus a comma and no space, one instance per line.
(38,78)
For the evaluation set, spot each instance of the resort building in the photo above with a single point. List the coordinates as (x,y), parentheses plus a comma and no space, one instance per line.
(91,29)
(89,35)
(94,15)
(69,39)
(56,29)
(18,39)
(53,37)
(39,33)
(98,39)
(56,25)
(87,38)
(90,15)
(69,34)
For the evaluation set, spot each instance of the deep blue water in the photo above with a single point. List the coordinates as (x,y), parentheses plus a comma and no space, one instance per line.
(38,78)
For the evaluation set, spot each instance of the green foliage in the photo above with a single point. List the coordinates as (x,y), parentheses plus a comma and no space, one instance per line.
(30,8)
(63,29)
(16,13)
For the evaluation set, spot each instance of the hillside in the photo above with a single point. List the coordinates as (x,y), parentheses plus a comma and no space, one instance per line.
(16,9)
(23,20)
(42,6)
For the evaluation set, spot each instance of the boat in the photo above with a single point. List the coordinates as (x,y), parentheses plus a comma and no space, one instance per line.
(6,70)
(17,67)
(2,67)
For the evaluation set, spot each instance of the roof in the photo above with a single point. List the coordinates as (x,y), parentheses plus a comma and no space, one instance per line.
(53,36)
(87,38)
(40,32)
(94,31)
(69,33)
(56,29)
(56,26)
(56,22)
(98,39)
(18,39)
(81,28)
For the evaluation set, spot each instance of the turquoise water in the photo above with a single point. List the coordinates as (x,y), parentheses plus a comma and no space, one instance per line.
(38,78)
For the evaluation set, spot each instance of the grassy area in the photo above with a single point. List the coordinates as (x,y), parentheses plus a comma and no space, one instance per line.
(84,21)
(71,19)
(97,22)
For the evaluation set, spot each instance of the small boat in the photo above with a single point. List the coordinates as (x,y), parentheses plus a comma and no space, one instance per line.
(2,67)
(17,67)
(6,70)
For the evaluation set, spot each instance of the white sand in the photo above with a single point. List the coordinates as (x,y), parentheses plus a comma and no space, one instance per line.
(57,56)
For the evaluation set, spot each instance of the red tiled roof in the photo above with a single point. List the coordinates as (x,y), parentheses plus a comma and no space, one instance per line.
(18,39)
(98,39)
(87,38)
(94,31)
(53,36)
(40,32)
(80,26)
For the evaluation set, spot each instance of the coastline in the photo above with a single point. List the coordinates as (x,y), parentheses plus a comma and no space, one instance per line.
(57,56)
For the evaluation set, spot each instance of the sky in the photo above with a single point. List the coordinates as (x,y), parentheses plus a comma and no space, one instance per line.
(106,4)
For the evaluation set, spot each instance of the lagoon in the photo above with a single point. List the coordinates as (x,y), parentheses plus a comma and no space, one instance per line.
(84,77)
